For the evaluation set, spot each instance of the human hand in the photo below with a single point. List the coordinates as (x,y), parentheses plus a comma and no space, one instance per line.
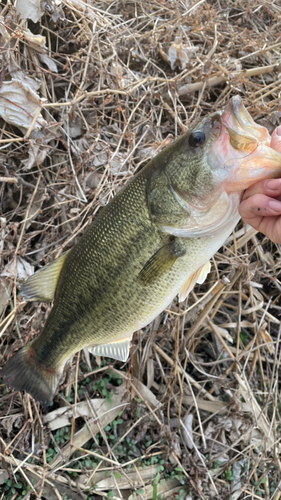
(261,203)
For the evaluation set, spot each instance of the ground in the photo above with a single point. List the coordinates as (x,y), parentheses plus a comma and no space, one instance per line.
(89,93)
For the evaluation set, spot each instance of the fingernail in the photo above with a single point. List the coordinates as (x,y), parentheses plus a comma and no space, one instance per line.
(273,184)
(275,205)
(278,130)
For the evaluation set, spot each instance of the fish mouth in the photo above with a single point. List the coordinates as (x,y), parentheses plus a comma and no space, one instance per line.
(241,126)
(243,148)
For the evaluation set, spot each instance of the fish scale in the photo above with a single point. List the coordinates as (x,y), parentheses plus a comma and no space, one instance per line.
(108,292)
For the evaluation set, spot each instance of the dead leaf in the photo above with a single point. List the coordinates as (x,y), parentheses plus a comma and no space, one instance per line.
(3,476)
(23,270)
(63,416)
(12,421)
(267,339)
(5,295)
(179,54)
(150,372)
(238,469)
(38,43)
(38,148)
(129,479)
(187,430)
(29,9)
(18,105)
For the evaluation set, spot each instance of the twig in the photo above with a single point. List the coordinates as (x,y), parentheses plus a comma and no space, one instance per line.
(235,76)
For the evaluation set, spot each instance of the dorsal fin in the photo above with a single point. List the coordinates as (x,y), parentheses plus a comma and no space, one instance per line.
(42,285)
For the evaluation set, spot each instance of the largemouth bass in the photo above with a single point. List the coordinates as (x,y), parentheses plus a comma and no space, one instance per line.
(151,242)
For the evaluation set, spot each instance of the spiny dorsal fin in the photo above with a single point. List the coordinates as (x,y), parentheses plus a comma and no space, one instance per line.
(162,260)
(42,285)
(198,277)
(117,350)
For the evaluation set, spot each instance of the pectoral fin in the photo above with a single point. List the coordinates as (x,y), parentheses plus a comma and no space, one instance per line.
(42,285)
(162,260)
(117,350)
(198,277)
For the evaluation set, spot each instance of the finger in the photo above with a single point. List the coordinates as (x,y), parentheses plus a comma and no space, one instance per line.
(270,226)
(256,212)
(276,139)
(259,205)
(271,187)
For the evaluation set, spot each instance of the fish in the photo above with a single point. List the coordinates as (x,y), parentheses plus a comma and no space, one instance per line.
(152,241)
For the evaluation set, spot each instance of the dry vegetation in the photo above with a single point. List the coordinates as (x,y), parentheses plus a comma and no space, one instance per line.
(198,415)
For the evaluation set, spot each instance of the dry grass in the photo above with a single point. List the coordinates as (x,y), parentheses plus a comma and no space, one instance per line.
(199,417)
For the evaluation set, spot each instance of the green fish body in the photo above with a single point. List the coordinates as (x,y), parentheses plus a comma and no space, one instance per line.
(151,242)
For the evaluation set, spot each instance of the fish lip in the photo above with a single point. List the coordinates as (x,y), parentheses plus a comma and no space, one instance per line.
(234,122)
(243,131)
(239,109)
(235,108)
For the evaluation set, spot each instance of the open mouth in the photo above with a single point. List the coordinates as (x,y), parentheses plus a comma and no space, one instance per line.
(243,147)
(241,126)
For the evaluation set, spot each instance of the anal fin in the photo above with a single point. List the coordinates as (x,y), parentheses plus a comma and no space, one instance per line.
(198,277)
(203,273)
(42,285)
(116,350)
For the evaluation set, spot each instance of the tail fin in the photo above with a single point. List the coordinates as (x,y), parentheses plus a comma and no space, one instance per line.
(24,372)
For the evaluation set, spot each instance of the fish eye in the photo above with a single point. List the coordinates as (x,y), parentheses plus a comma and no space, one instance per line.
(196,139)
